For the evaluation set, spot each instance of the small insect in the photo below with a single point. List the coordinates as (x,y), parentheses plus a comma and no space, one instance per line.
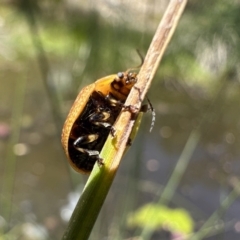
(92,117)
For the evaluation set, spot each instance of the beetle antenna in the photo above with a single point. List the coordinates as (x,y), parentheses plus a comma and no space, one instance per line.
(141,57)
(142,61)
(153,114)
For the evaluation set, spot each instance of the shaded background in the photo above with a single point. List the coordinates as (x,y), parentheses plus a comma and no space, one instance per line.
(51,49)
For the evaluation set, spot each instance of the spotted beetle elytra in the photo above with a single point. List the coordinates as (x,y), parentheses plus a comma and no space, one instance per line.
(92,117)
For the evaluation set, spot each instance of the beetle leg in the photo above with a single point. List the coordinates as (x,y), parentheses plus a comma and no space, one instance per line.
(88,152)
(144,108)
(84,150)
(113,101)
(100,119)
(131,108)
(103,124)
(92,153)
(106,125)
(84,140)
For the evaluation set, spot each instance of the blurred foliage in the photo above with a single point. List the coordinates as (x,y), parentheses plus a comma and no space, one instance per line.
(158,217)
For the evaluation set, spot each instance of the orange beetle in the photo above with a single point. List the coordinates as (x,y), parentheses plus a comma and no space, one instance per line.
(92,117)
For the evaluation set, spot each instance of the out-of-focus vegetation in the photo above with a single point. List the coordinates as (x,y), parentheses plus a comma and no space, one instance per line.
(57,47)
(157,217)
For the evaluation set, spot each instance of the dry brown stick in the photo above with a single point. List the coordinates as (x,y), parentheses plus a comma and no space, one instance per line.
(155,52)
(100,180)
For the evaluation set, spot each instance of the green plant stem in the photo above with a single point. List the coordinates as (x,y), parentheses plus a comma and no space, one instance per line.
(90,203)
(95,191)
(176,176)
(180,167)
(210,223)
(100,180)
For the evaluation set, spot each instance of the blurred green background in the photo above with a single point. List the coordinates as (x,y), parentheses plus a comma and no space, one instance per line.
(49,50)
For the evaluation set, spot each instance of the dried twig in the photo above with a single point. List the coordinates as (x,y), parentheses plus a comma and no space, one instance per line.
(155,52)
(100,180)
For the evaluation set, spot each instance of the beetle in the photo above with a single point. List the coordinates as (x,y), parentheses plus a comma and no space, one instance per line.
(92,117)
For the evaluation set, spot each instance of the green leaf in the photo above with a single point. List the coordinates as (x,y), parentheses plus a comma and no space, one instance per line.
(156,216)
